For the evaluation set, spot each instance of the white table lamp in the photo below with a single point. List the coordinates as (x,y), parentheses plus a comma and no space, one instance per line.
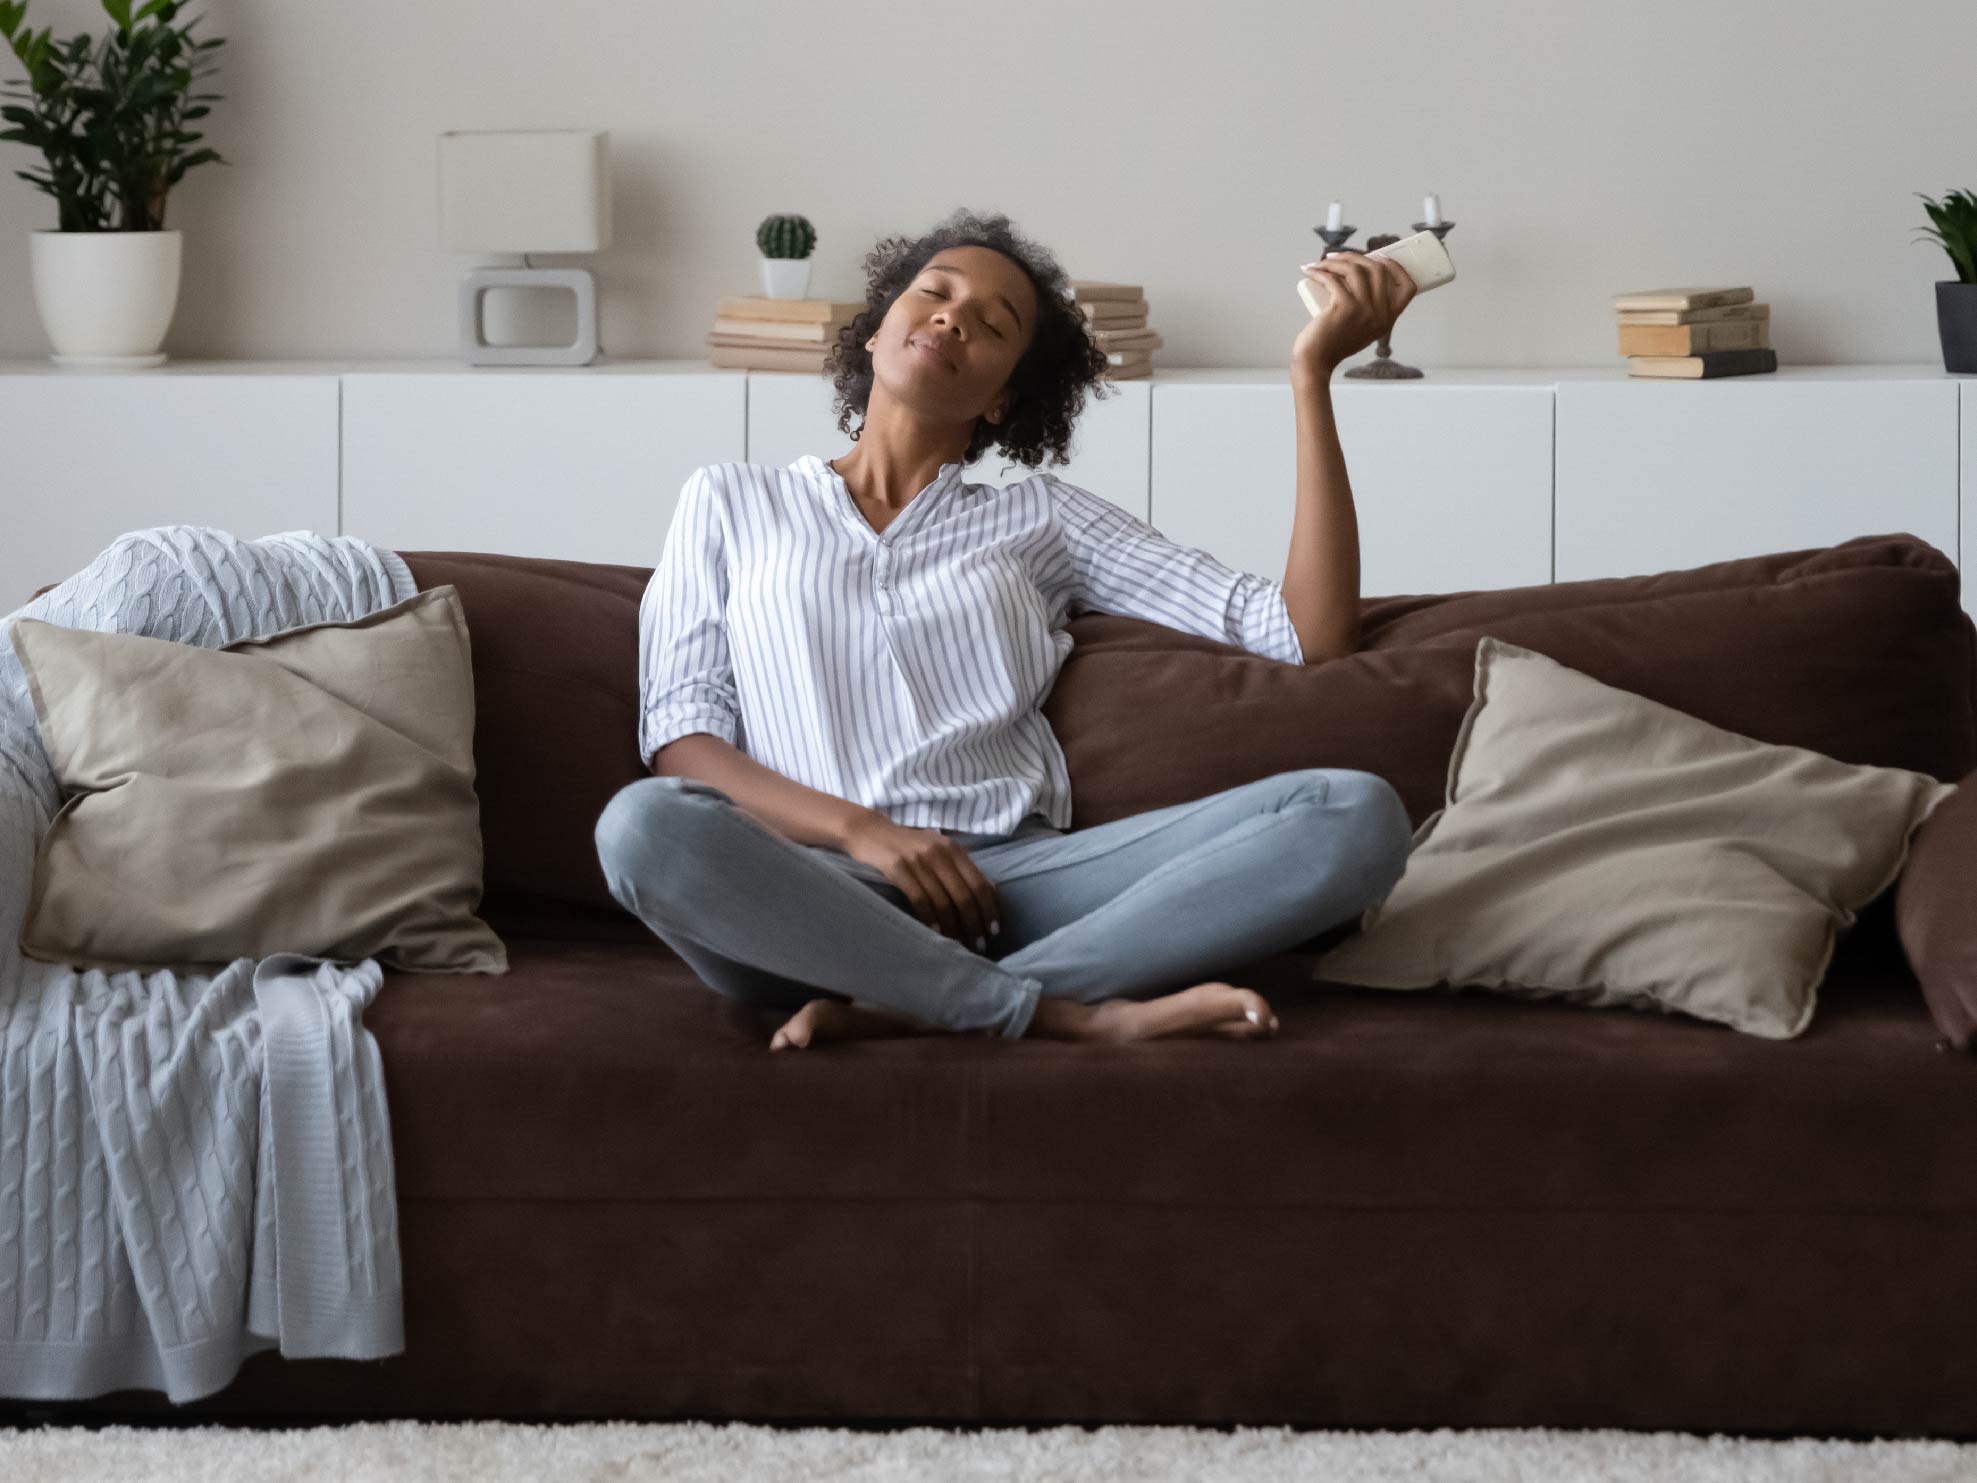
(523,191)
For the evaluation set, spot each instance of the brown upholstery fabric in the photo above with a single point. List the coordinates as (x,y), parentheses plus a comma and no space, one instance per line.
(557,1086)
(556,713)
(1936,914)
(1465,1211)
(1860,651)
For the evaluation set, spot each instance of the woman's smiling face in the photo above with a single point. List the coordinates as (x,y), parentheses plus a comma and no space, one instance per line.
(951,339)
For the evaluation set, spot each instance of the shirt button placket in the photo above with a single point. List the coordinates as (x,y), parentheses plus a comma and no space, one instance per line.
(884,576)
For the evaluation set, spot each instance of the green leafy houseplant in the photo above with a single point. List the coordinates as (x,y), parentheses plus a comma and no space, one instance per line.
(110,118)
(1955,218)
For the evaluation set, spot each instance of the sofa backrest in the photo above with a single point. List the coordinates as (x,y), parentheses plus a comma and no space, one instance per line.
(1861,651)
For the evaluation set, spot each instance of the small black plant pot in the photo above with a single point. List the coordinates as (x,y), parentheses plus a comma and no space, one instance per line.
(1956,321)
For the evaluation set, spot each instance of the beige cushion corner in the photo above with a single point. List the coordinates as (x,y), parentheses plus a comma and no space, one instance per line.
(311,791)
(1598,846)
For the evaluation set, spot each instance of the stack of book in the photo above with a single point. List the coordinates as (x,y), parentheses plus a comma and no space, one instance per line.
(1695,332)
(764,334)
(1115,313)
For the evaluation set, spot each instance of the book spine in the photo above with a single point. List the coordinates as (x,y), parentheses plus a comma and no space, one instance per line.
(1693,339)
(1694,316)
(1684,298)
(1119,312)
(772,329)
(1710,364)
(807,311)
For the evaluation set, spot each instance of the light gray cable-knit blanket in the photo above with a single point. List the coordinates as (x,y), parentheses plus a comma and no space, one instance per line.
(194,1167)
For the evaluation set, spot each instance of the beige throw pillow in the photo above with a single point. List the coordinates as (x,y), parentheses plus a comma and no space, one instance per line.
(1600,847)
(311,791)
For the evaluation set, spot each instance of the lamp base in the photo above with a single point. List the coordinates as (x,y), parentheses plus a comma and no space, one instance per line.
(474,347)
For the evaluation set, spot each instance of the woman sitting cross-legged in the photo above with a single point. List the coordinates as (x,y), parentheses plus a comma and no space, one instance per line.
(858,812)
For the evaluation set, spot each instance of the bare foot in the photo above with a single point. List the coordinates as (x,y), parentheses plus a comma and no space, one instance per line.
(1213,1008)
(833,1019)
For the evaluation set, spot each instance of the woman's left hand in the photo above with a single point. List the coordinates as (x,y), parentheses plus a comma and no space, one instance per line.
(1367,295)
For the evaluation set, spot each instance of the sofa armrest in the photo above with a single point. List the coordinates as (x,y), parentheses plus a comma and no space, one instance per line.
(1936,913)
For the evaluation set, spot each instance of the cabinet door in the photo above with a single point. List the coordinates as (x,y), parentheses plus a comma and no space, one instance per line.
(92,454)
(1451,484)
(1658,476)
(582,465)
(791,414)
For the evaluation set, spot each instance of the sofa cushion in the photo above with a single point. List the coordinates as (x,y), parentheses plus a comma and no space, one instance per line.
(556,724)
(310,790)
(609,1073)
(1602,848)
(1936,915)
(1860,651)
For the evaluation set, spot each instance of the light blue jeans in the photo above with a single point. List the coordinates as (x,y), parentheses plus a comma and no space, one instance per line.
(1138,907)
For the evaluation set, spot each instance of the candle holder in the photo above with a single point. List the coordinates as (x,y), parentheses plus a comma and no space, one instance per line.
(1383,367)
(1335,238)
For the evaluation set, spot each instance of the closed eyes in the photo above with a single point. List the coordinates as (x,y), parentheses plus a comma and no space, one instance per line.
(998,333)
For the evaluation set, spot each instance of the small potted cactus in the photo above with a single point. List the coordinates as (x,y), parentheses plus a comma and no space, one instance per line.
(785,242)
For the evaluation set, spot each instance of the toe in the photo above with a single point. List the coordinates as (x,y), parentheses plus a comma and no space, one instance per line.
(794,1033)
(1256,1009)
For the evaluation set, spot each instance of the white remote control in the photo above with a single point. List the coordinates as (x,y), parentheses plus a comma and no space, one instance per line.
(1423,255)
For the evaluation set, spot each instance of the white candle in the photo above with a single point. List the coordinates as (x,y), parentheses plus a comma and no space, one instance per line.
(1431,211)
(1334,217)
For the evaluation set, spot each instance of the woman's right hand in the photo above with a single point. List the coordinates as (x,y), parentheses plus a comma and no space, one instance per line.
(946,888)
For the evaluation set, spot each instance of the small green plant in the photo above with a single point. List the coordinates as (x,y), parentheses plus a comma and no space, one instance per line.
(1955,218)
(785,236)
(111,124)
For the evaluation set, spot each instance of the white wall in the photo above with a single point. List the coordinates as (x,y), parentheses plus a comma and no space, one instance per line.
(1582,148)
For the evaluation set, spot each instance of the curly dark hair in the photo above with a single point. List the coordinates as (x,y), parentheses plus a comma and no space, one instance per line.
(1047,388)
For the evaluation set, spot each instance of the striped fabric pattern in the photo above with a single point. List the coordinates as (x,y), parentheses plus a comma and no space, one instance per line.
(906,669)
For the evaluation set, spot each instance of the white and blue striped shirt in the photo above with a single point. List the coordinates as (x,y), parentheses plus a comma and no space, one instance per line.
(906,669)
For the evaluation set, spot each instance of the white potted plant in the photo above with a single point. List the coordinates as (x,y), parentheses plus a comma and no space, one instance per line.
(785,242)
(109,121)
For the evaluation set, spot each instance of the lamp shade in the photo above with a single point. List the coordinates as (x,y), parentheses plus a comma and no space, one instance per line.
(524,190)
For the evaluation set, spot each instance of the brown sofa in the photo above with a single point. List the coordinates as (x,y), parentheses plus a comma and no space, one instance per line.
(1407,1210)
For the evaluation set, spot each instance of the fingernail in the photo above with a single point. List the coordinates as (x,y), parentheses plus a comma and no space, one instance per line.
(995,927)
(981,944)
(1253,1017)
(1310,265)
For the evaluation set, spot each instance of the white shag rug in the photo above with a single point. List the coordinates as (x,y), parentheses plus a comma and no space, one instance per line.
(700,1452)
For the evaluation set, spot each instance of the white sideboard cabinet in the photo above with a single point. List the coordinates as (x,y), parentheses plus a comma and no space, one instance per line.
(1450,475)
(85,456)
(1670,474)
(1461,480)
(532,461)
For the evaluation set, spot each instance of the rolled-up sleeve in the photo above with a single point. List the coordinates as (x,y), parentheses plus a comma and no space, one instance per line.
(685,679)
(1112,561)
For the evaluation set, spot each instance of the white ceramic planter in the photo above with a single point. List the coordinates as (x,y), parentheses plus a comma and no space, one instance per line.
(785,277)
(105,298)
